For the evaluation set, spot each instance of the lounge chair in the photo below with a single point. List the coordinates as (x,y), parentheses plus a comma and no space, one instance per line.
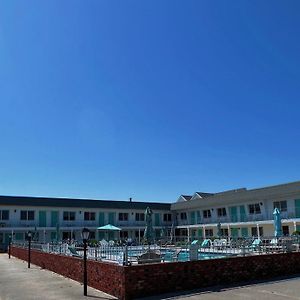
(183,256)
(256,244)
(74,252)
(169,256)
(206,243)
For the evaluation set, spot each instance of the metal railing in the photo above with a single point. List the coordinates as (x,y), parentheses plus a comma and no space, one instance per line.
(165,251)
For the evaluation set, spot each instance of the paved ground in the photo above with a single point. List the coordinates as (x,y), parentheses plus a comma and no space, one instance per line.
(284,288)
(17,282)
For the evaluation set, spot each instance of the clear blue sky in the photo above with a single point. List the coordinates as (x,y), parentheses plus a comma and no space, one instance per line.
(148,99)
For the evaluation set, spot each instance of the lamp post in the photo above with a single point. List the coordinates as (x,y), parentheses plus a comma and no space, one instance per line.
(9,245)
(29,235)
(85,236)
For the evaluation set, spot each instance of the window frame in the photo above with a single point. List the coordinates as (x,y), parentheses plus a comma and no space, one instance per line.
(69,215)
(206,214)
(2,211)
(221,212)
(254,211)
(89,216)
(123,218)
(27,215)
(279,205)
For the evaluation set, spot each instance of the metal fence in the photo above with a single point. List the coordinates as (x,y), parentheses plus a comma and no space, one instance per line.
(168,252)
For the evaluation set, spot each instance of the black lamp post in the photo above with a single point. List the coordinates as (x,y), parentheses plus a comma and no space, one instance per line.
(29,236)
(9,245)
(85,236)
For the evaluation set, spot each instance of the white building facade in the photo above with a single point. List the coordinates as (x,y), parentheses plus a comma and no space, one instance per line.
(241,212)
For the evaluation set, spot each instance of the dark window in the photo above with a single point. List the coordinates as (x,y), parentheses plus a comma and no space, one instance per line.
(123,216)
(167,217)
(254,231)
(281,205)
(209,232)
(27,215)
(285,230)
(140,217)
(254,208)
(221,212)
(183,216)
(69,216)
(224,231)
(4,215)
(207,213)
(89,216)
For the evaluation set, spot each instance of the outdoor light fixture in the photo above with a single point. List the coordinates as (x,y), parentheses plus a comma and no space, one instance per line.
(85,234)
(9,245)
(29,235)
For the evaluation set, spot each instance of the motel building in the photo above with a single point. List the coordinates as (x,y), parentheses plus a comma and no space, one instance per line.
(240,212)
(48,217)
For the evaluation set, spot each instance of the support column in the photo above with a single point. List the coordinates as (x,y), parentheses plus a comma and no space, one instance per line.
(258,233)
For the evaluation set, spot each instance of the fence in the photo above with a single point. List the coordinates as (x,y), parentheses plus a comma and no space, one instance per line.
(180,251)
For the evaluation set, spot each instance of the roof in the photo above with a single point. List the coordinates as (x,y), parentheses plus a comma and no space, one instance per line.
(187,197)
(204,195)
(82,203)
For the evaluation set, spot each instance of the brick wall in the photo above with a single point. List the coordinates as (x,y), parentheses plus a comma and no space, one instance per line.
(143,280)
(161,278)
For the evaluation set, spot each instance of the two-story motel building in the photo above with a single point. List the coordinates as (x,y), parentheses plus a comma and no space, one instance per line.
(241,212)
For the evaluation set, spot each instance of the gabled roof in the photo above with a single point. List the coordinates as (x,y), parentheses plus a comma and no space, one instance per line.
(187,197)
(81,203)
(204,195)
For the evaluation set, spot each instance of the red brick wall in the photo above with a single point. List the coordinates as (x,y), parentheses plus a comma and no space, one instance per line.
(106,277)
(161,278)
(142,280)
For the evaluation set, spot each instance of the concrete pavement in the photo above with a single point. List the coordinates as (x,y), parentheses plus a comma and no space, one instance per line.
(285,288)
(17,282)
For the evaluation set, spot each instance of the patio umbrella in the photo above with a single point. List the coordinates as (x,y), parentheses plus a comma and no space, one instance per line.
(277,222)
(219,233)
(149,232)
(109,228)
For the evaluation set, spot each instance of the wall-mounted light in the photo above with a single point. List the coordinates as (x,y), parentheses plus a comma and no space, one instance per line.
(15,210)
(261,204)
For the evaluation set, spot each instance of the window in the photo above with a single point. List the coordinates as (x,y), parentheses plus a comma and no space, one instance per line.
(281,205)
(167,217)
(221,212)
(207,214)
(285,230)
(183,216)
(254,208)
(209,232)
(4,215)
(254,231)
(89,216)
(123,216)
(224,232)
(27,215)
(69,216)
(140,217)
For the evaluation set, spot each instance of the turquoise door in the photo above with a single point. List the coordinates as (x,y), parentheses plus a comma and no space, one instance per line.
(112,218)
(101,219)
(54,218)
(19,236)
(244,232)
(101,235)
(233,214)
(234,232)
(198,217)
(53,236)
(297,208)
(157,219)
(192,218)
(42,219)
(200,232)
(242,213)
(111,235)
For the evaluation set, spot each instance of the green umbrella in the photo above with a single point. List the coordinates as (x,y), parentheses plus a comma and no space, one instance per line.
(149,232)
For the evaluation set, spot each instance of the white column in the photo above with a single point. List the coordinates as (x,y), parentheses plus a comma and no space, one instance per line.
(258,233)
(204,237)
(188,232)
(295,226)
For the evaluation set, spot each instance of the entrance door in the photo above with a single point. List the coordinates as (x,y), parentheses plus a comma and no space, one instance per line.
(54,218)
(297,208)
(42,219)
(233,214)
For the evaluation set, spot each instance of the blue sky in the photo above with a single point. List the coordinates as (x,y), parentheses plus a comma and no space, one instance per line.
(148,99)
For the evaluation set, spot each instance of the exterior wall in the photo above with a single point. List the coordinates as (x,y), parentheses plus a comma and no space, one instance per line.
(145,280)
